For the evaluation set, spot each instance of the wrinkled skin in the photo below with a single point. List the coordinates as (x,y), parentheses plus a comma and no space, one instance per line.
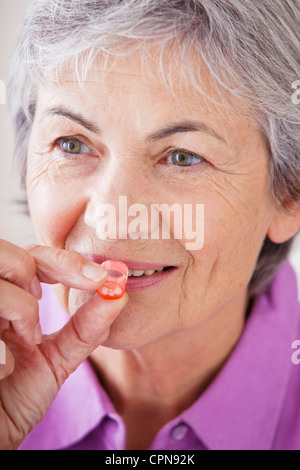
(195,317)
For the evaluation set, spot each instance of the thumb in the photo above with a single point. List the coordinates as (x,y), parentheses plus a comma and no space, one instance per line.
(87,329)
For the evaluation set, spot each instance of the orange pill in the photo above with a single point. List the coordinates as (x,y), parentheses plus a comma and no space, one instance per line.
(115,283)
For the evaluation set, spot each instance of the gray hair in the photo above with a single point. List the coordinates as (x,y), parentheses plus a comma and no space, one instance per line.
(251,47)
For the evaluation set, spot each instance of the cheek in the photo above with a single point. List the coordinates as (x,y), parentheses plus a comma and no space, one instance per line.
(235,226)
(233,236)
(55,206)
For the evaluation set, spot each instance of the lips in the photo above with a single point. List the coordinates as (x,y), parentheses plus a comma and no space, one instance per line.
(133,265)
(143,281)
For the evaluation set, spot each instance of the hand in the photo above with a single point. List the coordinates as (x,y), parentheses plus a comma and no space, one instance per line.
(37,366)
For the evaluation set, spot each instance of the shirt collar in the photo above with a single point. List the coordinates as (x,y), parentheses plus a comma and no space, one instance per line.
(241,407)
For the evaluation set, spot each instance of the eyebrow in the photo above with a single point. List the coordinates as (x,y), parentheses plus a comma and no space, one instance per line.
(174,128)
(77,117)
(183,126)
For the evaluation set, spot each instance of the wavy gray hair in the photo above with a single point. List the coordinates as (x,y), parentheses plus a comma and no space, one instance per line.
(252,48)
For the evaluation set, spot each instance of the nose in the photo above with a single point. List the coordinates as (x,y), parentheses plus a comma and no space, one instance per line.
(119,203)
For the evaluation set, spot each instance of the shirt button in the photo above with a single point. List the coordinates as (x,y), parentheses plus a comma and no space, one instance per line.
(179,432)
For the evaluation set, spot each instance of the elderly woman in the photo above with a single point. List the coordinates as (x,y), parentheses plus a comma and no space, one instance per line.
(179,102)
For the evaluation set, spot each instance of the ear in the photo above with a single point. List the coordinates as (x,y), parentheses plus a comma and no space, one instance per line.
(285,225)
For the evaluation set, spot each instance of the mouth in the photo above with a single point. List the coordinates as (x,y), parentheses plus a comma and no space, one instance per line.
(147,272)
(141,275)
(138,280)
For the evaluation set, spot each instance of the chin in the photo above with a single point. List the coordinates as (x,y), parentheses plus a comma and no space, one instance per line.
(136,327)
(134,330)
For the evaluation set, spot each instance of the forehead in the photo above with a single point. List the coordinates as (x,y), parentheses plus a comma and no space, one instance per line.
(136,87)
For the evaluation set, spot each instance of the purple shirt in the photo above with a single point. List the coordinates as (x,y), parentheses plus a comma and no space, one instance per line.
(252,404)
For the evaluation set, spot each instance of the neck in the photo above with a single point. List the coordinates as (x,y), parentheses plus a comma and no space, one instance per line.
(172,372)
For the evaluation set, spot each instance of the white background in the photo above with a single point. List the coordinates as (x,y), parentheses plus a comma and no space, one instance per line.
(14,225)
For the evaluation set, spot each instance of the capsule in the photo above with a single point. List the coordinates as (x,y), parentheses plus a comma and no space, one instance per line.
(115,283)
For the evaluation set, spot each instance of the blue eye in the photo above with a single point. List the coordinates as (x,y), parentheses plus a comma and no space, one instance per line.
(183,158)
(74,146)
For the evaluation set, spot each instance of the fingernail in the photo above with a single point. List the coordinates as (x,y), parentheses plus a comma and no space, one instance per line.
(94,272)
(37,334)
(35,288)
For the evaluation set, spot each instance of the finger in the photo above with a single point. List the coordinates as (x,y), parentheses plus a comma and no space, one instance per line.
(18,266)
(87,329)
(21,309)
(54,266)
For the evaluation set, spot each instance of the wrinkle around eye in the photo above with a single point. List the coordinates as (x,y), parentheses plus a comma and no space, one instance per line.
(54,168)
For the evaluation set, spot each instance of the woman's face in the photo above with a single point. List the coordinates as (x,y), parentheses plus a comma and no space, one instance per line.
(127,135)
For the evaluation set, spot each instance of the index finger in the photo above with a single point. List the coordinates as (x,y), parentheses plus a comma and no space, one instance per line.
(16,265)
(54,265)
